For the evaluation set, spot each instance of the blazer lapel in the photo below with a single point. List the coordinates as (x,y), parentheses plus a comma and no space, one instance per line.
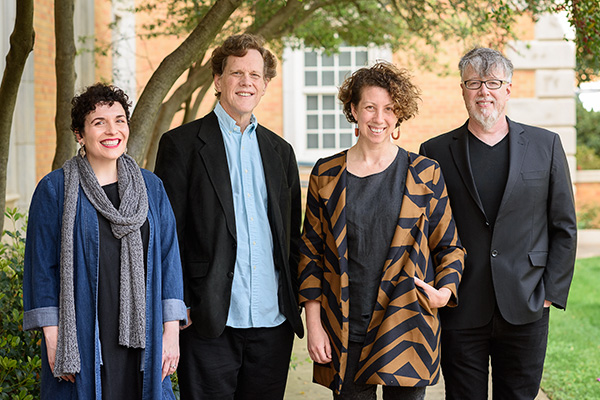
(273,177)
(215,161)
(460,154)
(518,145)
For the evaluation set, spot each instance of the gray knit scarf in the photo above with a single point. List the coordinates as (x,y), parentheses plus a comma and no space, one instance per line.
(125,224)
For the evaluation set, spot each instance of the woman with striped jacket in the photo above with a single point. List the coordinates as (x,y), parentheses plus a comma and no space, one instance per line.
(380,252)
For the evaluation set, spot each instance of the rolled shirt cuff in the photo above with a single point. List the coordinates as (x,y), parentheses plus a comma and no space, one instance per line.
(40,317)
(174,310)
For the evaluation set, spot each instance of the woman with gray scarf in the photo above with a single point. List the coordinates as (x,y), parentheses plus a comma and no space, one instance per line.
(102,269)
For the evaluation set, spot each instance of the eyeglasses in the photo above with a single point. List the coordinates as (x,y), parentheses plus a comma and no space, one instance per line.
(492,84)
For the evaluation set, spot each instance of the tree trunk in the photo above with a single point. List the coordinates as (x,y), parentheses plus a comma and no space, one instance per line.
(164,121)
(200,77)
(65,80)
(169,70)
(193,111)
(21,44)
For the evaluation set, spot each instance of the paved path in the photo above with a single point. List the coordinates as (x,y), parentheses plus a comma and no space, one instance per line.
(300,386)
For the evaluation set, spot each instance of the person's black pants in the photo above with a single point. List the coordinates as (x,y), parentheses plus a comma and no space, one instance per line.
(241,364)
(517,355)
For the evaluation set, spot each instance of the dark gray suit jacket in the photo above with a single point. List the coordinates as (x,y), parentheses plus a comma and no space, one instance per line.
(192,163)
(529,256)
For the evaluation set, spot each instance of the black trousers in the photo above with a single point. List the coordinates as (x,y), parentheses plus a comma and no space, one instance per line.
(517,355)
(241,364)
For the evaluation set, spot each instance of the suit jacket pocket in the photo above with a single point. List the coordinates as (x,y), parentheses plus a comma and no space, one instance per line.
(534,178)
(538,258)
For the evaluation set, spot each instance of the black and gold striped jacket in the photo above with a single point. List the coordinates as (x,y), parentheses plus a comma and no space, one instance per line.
(402,342)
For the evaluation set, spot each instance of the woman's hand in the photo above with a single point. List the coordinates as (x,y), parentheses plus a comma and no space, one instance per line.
(319,346)
(170,348)
(437,298)
(51,337)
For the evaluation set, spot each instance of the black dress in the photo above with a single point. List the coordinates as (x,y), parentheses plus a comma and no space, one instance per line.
(121,373)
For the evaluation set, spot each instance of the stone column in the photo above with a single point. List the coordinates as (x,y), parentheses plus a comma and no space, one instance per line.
(553,59)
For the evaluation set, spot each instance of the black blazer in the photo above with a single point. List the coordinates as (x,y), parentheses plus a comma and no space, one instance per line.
(529,256)
(192,163)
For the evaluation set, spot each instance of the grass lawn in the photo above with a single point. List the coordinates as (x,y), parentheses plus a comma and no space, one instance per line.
(572,367)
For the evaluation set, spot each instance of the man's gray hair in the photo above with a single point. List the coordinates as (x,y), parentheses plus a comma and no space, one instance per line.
(485,61)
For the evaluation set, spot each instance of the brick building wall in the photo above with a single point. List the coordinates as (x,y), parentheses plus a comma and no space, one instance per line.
(45,86)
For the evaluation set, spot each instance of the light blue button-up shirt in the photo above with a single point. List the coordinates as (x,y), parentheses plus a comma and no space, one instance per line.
(254,302)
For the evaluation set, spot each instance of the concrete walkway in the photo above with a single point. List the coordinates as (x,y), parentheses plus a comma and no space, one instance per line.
(300,386)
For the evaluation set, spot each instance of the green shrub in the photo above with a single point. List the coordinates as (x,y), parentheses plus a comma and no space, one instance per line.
(587,158)
(20,363)
(588,138)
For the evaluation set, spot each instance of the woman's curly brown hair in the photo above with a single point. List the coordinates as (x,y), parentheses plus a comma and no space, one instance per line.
(403,92)
(97,94)
(238,46)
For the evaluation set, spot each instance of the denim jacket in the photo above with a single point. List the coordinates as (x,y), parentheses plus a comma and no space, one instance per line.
(164,285)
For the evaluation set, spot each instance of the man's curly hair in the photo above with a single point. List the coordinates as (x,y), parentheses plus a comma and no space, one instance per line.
(87,101)
(403,92)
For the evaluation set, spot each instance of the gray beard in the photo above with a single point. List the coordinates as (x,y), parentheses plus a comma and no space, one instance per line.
(486,122)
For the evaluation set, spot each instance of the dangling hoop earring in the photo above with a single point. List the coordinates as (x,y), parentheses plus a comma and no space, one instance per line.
(82,150)
(356,130)
(396,134)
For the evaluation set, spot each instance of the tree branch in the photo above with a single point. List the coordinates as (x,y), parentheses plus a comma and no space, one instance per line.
(21,44)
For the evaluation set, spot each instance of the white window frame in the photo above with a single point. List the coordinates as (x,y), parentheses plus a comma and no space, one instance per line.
(295,98)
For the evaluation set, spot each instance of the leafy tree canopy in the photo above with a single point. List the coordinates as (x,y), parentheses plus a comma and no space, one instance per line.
(418,27)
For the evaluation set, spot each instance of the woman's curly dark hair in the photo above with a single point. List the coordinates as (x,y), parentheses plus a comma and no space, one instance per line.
(384,75)
(97,94)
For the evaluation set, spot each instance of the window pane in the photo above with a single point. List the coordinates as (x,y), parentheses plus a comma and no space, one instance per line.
(312,122)
(312,141)
(342,75)
(345,140)
(328,121)
(312,103)
(361,58)
(345,59)
(327,61)
(344,124)
(328,78)
(310,59)
(328,102)
(329,141)
(310,78)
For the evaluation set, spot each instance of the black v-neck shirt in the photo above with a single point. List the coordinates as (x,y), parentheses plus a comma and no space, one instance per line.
(489,165)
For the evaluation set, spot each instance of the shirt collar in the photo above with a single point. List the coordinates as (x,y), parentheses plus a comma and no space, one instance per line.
(228,124)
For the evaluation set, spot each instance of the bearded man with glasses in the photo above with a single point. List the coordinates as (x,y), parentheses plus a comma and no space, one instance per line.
(512,200)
